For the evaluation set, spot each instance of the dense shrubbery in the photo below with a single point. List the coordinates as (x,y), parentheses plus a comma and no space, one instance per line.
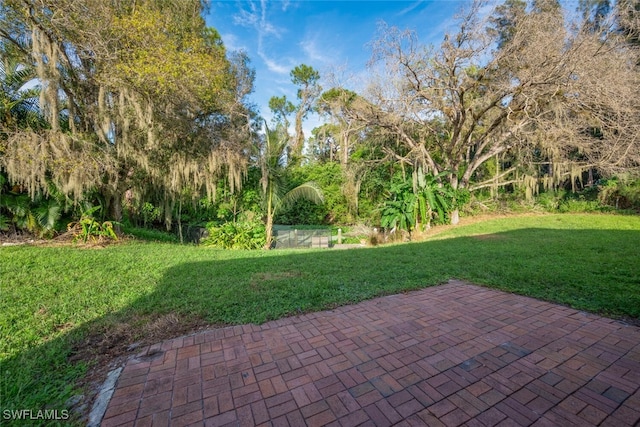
(45,216)
(620,193)
(236,235)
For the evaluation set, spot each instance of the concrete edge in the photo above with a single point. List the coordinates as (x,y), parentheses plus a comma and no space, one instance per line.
(103,398)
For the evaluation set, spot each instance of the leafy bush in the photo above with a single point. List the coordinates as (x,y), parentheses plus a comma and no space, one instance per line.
(549,201)
(236,235)
(399,210)
(579,205)
(38,216)
(334,210)
(620,193)
(89,228)
(151,234)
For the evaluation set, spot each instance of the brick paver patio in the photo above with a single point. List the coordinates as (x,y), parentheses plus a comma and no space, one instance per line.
(455,354)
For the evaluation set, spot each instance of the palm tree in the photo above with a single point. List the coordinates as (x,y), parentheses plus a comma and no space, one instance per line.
(18,103)
(274,166)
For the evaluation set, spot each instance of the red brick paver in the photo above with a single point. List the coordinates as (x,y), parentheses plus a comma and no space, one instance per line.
(447,355)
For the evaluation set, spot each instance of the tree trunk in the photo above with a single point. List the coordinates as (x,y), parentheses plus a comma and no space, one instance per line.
(269,225)
(298,145)
(269,232)
(455,214)
(116,211)
(180,221)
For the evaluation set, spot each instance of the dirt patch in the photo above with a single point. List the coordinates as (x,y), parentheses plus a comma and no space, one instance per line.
(61,239)
(108,344)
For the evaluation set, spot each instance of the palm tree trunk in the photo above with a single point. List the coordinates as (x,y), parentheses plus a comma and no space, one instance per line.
(269,226)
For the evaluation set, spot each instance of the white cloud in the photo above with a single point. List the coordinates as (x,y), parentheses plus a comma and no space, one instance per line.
(409,8)
(272,65)
(317,54)
(231,42)
(256,17)
(246,18)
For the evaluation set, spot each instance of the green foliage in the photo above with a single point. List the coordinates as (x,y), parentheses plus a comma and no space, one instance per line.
(579,205)
(88,228)
(236,235)
(132,106)
(4,223)
(434,200)
(620,193)
(38,216)
(151,235)
(607,196)
(399,210)
(281,109)
(274,181)
(427,201)
(150,213)
(18,106)
(328,176)
(304,75)
(373,192)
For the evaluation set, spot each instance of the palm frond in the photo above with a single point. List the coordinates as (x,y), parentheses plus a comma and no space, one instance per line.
(4,223)
(48,214)
(308,191)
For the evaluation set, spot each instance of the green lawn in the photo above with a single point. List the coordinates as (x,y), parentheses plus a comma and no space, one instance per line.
(54,298)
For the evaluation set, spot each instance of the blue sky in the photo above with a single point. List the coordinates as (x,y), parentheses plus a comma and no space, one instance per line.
(331,36)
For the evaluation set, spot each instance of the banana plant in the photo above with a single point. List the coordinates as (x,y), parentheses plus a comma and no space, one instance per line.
(398,211)
(434,199)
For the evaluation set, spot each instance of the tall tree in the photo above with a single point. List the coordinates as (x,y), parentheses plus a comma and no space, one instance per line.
(347,134)
(128,88)
(306,78)
(455,108)
(281,108)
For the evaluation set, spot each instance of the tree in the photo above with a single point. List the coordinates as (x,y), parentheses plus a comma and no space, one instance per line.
(128,89)
(306,78)
(504,19)
(18,104)
(282,108)
(273,167)
(455,108)
(347,134)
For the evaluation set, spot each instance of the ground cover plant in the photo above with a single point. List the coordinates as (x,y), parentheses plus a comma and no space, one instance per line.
(65,311)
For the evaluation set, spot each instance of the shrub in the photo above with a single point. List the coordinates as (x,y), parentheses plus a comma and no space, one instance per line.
(151,234)
(89,228)
(620,193)
(236,235)
(578,205)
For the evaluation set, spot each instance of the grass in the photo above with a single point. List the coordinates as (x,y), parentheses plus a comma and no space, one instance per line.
(58,302)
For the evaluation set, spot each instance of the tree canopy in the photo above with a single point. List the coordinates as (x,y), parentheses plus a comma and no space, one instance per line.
(528,83)
(135,94)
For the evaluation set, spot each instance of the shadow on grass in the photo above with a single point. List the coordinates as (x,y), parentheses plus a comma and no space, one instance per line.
(592,270)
